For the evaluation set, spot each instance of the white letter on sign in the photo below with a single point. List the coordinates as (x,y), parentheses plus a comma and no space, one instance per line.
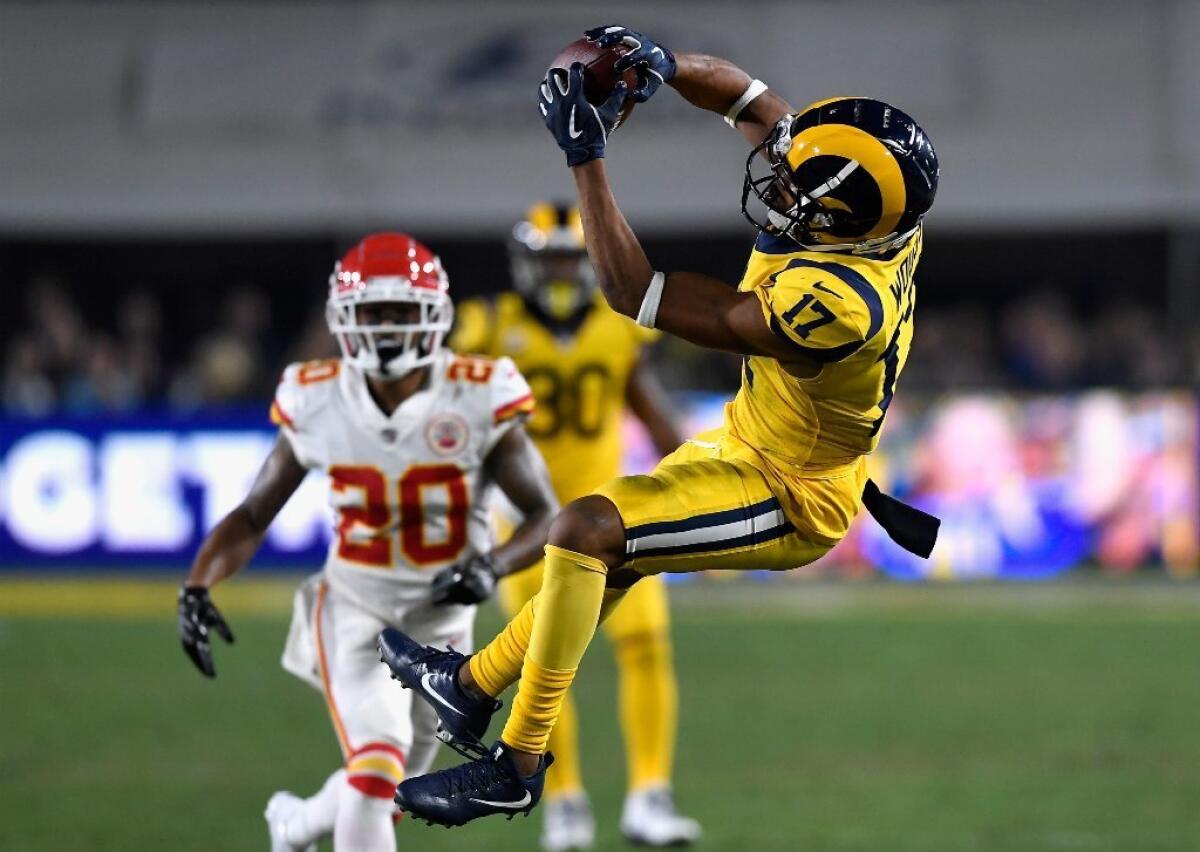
(225,464)
(143,500)
(49,492)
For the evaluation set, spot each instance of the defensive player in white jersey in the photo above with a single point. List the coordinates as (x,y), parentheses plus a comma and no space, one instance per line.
(413,438)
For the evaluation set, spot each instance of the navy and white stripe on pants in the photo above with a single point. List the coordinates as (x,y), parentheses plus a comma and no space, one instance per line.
(723,530)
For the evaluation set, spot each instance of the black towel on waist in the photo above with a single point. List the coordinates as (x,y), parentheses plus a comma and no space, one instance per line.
(909,527)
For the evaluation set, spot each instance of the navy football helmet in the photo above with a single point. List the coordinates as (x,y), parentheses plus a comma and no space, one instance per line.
(844,174)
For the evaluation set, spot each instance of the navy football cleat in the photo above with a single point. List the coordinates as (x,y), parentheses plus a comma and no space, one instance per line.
(488,784)
(433,675)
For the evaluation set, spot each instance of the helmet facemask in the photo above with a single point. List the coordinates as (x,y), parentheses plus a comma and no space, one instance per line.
(778,206)
(387,330)
(551,270)
(559,284)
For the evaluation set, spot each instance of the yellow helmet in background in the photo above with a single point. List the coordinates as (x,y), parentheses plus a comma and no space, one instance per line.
(549,262)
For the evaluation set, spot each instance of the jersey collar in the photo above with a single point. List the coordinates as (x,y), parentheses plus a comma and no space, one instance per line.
(408,414)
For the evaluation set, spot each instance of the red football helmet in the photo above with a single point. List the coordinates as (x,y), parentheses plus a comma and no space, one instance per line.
(389,268)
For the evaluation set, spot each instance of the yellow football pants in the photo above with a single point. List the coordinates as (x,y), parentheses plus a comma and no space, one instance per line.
(712,506)
(639,632)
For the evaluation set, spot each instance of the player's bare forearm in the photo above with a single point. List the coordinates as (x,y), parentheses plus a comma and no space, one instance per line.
(235,540)
(708,312)
(622,267)
(520,472)
(698,308)
(715,84)
(646,399)
(226,550)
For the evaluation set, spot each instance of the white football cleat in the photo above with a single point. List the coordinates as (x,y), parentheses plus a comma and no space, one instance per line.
(650,819)
(567,824)
(280,808)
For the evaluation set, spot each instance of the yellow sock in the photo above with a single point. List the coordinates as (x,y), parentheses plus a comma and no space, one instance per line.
(568,609)
(564,778)
(498,666)
(649,708)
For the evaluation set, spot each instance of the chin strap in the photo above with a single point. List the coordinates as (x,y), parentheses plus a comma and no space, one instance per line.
(867,247)
(382,371)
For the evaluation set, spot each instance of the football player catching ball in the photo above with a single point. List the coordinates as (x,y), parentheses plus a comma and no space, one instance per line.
(823,317)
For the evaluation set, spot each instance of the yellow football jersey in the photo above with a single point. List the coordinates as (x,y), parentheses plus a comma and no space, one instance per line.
(578,382)
(852,315)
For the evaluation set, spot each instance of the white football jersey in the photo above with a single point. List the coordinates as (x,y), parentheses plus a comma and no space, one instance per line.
(409,491)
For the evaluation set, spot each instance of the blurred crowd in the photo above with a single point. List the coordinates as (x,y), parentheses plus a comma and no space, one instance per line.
(60,359)
(146,353)
(1037,343)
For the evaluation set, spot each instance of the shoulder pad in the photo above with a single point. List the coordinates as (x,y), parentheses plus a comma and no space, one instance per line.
(303,389)
(470,370)
(511,396)
(643,336)
(474,327)
(508,394)
(825,310)
(622,330)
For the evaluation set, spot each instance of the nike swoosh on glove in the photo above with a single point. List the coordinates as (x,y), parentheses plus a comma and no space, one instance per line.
(653,63)
(579,128)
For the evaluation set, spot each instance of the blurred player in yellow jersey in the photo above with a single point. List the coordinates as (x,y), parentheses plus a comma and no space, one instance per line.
(585,364)
(824,318)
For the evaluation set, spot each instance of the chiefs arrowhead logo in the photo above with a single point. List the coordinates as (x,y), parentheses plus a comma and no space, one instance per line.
(447,434)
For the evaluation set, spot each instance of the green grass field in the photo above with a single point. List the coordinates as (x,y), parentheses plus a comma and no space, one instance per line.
(849,718)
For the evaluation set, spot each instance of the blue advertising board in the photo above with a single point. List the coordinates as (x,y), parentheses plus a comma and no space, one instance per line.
(1027,487)
(141,491)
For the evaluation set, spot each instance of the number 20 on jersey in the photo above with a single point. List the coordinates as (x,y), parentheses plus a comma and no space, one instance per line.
(365,531)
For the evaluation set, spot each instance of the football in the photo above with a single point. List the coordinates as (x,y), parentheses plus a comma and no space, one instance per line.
(599,76)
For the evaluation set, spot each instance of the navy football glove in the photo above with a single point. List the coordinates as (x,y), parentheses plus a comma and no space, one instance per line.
(654,63)
(472,582)
(197,614)
(579,128)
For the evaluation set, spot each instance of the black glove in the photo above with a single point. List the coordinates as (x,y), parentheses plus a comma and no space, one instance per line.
(197,613)
(472,582)
(654,63)
(579,128)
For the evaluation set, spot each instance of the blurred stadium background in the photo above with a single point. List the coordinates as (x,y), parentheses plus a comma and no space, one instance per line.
(176,180)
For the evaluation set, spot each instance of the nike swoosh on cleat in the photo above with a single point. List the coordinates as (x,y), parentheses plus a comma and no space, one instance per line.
(425,678)
(574,134)
(514,805)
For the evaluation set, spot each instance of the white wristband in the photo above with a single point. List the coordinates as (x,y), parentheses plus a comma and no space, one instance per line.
(756,88)
(648,312)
